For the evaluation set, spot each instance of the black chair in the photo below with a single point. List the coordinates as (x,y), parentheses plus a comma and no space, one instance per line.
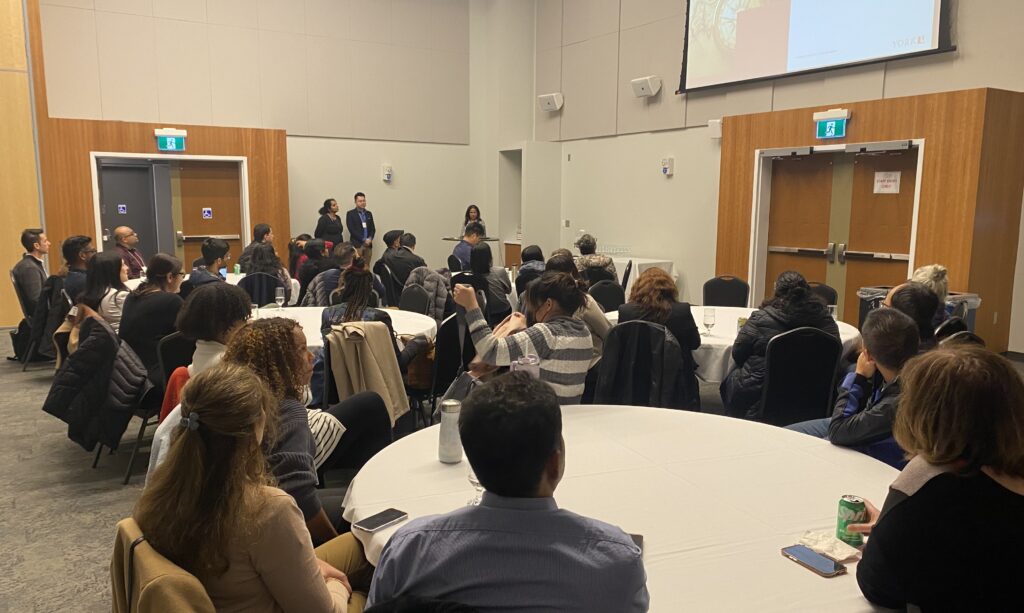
(609,294)
(186,288)
(642,365)
(25,326)
(448,363)
(454,263)
(964,336)
(60,340)
(800,376)
(172,351)
(595,275)
(392,290)
(950,327)
(960,310)
(726,291)
(825,292)
(625,274)
(148,412)
(414,299)
(261,287)
(524,278)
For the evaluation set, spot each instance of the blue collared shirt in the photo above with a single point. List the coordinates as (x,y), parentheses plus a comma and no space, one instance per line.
(514,554)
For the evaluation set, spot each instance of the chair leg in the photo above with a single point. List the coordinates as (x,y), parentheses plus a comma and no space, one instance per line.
(135,450)
(28,355)
(96,461)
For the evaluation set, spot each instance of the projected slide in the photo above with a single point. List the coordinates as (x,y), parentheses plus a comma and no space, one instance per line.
(738,40)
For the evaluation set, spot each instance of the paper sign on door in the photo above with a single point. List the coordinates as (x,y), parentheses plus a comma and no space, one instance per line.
(887,182)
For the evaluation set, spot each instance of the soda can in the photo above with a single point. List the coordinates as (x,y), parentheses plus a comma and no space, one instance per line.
(851,511)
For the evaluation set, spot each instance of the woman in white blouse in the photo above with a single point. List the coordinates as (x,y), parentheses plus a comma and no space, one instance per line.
(105,290)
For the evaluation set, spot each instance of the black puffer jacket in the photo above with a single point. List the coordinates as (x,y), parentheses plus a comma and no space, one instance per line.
(51,309)
(741,390)
(98,387)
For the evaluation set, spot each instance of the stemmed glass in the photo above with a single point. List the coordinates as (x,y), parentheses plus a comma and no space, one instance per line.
(709,319)
(279,297)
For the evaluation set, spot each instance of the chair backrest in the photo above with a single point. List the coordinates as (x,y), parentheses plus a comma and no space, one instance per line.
(22,299)
(950,327)
(641,366)
(448,362)
(143,581)
(186,288)
(625,274)
(392,289)
(454,263)
(964,336)
(594,275)
(60,340)
(960,310)
(174,350)
(261,287)
(609,295)
(415,299)
(800,374)
(825,292)
(726,291)
(524,278)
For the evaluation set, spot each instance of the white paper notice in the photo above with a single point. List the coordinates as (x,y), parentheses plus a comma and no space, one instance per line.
(887,182)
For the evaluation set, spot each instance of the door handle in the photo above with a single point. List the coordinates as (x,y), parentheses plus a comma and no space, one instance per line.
(831,253)
(875,255)
(842,253)
(180,237)
(191,238)
(803,250)
(106,235)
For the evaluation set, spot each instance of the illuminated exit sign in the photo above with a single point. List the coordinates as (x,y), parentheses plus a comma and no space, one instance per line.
(170,139)
(832,128)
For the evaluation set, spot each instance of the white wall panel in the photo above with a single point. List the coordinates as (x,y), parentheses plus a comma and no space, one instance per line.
(72,63)
(410,20)
(588,19)
(832,87)
(281,16)
(328,18)
(373,101)
(185,10)
(651,49)
(235,76)
(589,76)
(639,12)
(183,71)
(282,65)
(371,21)
(329,70)
(548,75)
(239,13)
(131,7)
(449,25)
(80,4)
(412,85)
(127,56)
(447,99)
(549,24)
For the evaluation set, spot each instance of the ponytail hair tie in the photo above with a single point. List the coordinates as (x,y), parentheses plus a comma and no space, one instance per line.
(191,422)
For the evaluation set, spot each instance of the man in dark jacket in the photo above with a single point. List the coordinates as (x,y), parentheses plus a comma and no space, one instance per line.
(29,274)
(215,255)
(863,416)
(261,233)
(77,251)
(361,228)
(403,260)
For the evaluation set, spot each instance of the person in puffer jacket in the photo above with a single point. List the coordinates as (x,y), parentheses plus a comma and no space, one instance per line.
(792,306)
(593,266)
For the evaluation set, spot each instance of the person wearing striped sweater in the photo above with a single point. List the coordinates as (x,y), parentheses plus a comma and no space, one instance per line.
(561,341)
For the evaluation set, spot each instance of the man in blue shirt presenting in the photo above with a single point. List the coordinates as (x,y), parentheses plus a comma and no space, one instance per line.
(361,228)
(516,550)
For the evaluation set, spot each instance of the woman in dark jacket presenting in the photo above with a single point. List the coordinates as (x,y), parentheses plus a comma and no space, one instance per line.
(792,306)
(329,227)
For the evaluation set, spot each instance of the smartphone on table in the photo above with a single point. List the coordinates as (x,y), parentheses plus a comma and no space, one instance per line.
(814,561)
(384,519)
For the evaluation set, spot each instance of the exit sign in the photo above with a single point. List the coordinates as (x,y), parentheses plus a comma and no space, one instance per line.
(832,128)
(170,143)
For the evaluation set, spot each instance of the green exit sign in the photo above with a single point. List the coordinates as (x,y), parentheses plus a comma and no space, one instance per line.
(832,128)
(170,143)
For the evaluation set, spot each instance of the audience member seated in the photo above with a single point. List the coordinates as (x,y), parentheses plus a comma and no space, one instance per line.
(329,228)
(77,251)
(531,268)
(655,298)
(316,263)
(791,306)
(958,503)
(105,291)
(261,234)
(593,266)
(863,414)
(151,310)
(516,550)
(561,341)
(934,277)
(472,216)
(211,510)
(210,316)
(921,304)
(264,259)
(297,254)
(345,435)
(125,240)
(215,256)
(470,238)
(591,313)
(29,274)
(403,260)
(481,264)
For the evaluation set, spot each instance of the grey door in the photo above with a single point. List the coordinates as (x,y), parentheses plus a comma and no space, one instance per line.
(126,199)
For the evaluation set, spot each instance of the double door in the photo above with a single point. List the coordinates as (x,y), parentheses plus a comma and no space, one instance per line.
(842,219)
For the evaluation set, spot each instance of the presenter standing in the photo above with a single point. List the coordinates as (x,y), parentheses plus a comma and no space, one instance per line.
(360,227)
(472,215)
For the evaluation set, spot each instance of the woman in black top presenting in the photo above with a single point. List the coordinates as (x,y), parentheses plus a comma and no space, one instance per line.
(150,312)
(329,227)
(472,215)
(948,535)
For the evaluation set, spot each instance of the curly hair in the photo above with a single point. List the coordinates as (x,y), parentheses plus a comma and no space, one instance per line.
(213,309)
(267,347)
(655,291)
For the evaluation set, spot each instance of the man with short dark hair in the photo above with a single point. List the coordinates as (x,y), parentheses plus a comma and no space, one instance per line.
(517,549)
(125,240)
(261,233)
(471,238)
(361,228)
(215,257)
(863,416)
(29,274)
(402,260)
(77,251)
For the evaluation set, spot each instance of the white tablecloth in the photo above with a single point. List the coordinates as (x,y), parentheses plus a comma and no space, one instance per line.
(233,279)
(714,356)
(403,322)
(640,265)
(715,498)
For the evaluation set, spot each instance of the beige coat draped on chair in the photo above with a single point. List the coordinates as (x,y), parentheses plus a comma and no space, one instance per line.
(363,360)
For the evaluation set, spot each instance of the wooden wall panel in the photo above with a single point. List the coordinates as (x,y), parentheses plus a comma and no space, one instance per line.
(952,125)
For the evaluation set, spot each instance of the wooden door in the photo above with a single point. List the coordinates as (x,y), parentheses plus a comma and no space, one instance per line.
(801,203)
(215,186)
(880,225)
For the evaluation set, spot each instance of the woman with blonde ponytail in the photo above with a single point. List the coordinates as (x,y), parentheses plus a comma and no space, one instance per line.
(211,507)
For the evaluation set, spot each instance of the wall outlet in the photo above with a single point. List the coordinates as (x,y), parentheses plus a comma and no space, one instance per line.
(566,224)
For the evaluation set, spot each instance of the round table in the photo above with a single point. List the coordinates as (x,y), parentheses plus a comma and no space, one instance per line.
(715,498)
(404,322)
(714,356)
(232,278)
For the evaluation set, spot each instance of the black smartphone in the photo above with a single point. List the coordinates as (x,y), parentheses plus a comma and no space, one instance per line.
(814,561)
(387,517)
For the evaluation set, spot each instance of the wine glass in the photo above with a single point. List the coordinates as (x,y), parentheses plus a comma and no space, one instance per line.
(479,489)
(255,308)
(709,319)
(832,311)
(279,297)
